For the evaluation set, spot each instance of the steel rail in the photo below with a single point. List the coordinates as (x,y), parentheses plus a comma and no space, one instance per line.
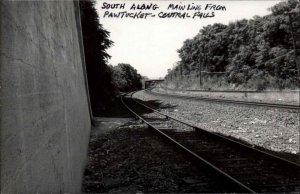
(273,105)
(249,148)
(191,153)
(229,91)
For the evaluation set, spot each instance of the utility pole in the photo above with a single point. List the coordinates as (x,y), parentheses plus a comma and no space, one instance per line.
(181,78)
(180,72)
(294,41)
(173,72)
(200,72)
(200,76)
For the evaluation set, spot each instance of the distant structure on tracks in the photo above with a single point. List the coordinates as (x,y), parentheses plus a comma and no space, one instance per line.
(152,83)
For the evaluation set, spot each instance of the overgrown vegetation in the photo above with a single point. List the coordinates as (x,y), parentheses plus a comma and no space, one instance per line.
(96,41)
(126,78)
(104,81)
(256,53)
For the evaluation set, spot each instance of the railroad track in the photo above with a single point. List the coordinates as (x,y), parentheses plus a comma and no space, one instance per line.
(236,166)
(272,105)
(228,91)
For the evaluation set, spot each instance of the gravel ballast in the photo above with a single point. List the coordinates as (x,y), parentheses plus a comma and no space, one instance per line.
(271,128)
(278,97)
(132,159)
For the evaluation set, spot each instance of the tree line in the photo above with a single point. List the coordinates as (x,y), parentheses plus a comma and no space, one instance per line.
(256,53)
(104,81)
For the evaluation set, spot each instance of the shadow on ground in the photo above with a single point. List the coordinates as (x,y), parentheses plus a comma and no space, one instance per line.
(117,110)
(132,159)
(289,156)
(156,104)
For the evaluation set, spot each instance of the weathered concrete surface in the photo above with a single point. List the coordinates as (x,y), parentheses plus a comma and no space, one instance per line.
(45,121)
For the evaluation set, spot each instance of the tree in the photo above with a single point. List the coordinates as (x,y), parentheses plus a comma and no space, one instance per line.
(247,48)
(96,41)
(126,78)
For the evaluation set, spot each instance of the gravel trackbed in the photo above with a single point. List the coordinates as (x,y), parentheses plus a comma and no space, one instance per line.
(271,128)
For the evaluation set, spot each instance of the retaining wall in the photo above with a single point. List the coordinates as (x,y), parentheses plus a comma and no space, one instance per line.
(45,119)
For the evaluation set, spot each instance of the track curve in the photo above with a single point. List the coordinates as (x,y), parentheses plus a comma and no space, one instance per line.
(283,182)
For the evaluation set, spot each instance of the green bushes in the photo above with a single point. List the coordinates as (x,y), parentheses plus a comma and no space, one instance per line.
(256,53)
(104,81)
(126,78)
(96,41)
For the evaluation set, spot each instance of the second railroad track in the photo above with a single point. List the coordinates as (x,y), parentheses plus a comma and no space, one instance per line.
(237,166)
(238,102)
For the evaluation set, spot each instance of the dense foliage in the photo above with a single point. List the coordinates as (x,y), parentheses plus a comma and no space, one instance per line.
(96,41)
(104,81)
(256,53)
(126,78)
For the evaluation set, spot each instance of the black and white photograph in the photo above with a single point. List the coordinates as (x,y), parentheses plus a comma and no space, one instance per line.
(141,96)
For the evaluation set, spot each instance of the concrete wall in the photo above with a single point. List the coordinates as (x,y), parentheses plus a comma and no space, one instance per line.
(45,120)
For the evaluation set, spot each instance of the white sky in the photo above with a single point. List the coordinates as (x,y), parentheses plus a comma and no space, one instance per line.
(150,45)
